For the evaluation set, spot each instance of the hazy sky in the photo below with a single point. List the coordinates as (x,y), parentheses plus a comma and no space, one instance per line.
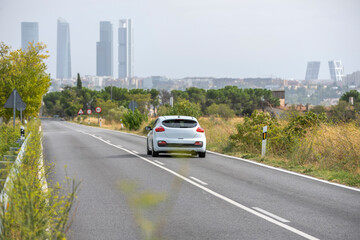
(206,38)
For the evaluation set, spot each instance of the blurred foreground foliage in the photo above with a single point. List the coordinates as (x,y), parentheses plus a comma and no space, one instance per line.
(33,209)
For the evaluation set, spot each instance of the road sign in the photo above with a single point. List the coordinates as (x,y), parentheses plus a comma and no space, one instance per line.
(15,102)
(80,112)
(98,109)
(15,97)
(88,111)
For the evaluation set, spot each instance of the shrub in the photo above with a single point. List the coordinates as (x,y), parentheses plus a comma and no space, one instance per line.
(249,134)
(8,137)
(184,107)
(132,120)
(115,114)
(221,110)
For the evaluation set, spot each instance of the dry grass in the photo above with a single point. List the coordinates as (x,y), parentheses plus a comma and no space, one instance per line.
(334,147)
(218,131)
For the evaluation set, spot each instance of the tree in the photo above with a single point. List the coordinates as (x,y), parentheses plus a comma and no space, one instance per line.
(222,110)
(184,107)
(79,84)
(25,71)
(352,93)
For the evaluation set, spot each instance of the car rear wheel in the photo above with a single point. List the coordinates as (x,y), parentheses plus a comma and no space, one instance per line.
(202,154)
(154,153)
(148,152)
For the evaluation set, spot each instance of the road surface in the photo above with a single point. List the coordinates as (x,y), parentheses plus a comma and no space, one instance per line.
(218,197)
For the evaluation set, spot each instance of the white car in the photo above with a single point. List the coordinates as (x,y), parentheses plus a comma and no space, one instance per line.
(176,134)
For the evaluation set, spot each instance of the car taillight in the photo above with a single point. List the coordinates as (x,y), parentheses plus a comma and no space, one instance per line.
(198,143)
(201,130)
(160,129)
(162,143)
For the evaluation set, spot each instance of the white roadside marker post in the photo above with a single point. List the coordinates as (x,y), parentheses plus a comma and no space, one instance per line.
(263,146)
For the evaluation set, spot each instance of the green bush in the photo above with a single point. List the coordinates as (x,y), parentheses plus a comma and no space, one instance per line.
(221,110)
(186,108)
(115,114)
(281,139)
(8,137)
(299,125)
(249,134)
(132,120)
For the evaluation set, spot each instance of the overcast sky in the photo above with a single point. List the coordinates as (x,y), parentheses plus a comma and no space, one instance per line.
(204,38)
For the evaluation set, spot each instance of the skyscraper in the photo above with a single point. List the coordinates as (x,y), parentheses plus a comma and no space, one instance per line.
(312,71)
(122,49)
(104,50)
(29,33)
(336,70)
(63,62)
(125,49)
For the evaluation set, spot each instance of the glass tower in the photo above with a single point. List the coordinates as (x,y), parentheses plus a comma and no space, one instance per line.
(29,33)
(336,70)
(125,48)
(312,71)
(63,62)
(104,50)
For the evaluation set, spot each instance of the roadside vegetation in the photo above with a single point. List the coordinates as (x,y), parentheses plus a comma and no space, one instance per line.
(321,143)
(33,210)
(29,209)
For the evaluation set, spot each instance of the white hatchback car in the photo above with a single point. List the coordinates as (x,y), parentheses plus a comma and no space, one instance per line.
(176,134)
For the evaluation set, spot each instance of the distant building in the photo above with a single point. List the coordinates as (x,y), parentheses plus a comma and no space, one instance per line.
(353,79)
(280,94)
(63,58)
(29,33)
(125,45)
(104,50)
(312,71)
(336,70)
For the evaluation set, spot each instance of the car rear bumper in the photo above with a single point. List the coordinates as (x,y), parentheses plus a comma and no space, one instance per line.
(180,146)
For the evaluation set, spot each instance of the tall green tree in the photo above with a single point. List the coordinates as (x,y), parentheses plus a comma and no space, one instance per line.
(25,71)
(78,83)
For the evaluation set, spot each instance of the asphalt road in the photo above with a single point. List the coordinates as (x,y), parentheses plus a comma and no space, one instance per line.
(218,197)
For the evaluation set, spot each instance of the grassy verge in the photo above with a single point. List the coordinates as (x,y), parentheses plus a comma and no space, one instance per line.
(33,211)
(332,152)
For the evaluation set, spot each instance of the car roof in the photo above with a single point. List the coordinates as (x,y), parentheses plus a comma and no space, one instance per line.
(178,117)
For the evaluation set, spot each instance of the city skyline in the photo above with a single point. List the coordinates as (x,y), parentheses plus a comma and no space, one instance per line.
(230,38)
(63,61)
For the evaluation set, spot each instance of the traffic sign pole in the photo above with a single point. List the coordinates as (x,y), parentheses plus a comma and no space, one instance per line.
(98,110)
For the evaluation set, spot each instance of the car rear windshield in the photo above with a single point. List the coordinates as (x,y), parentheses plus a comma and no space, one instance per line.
(179,123)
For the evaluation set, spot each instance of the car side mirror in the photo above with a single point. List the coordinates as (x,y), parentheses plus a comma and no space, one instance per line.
(148,128)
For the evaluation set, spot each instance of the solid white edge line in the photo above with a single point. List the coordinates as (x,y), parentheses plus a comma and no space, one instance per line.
(253,162)
(280,224)
(161,163)
(135,152)
(286,171)
(271,215)
(199,181)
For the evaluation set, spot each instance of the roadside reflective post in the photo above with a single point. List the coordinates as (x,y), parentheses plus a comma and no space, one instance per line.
(263,146)
(22,133)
